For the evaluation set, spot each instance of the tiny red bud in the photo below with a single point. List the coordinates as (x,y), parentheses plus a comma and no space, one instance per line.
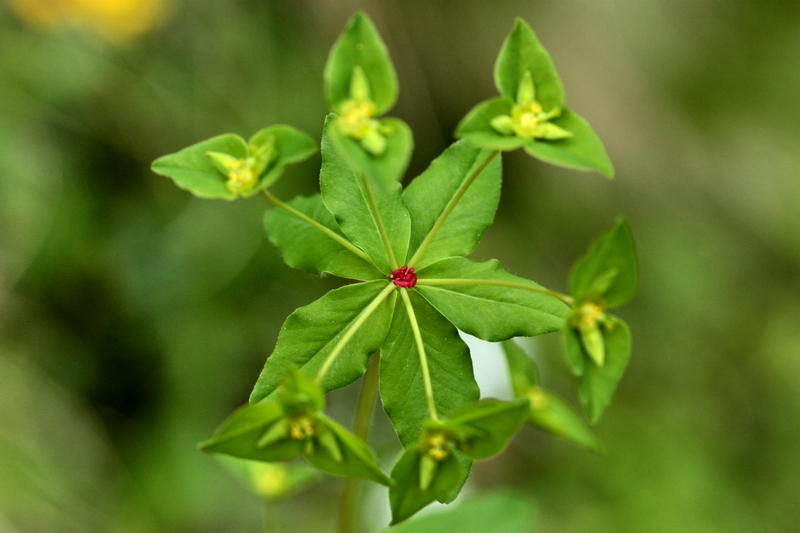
(404,277)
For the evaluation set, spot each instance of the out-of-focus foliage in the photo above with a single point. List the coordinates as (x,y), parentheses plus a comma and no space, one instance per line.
(500,513)
(115,20)
(133,317)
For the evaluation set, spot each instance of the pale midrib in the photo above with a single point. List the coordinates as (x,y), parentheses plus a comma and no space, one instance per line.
(437,282)
(423,358)
(313,223)
(449,208)
(352,329)
(378,220)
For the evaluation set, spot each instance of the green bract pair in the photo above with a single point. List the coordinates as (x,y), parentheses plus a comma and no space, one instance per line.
(295,425)
(531,112)
(415,289)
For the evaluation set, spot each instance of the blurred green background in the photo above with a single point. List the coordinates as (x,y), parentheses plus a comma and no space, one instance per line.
(134,318)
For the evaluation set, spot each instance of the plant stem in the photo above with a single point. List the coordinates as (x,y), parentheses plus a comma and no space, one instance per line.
(310,221)
(568,300)
(354,327)
(451,205)
(376,216)
(423,359)
(348,506)
(272,522)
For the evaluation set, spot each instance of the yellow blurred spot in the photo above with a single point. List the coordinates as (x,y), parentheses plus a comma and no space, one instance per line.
(437,447)
(241,178)
(357,118)
(528,119)
(301,429)
(589,314)
(269,480)
(115,20)
(538,398)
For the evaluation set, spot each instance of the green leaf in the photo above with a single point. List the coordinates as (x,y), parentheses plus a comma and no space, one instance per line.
(311,332)
(466,467)
(292,146)
(576,356)
(611,252)
(460,191)
(402,389)
(388,167)
(476,126)
(299,394)
(522,52)
(370,212)
(583,151)
(593,343)
(307,248)
(552,414)
(356,459)
(360,45)
(522,369)
(240,434)
(597,385)
(486,301)
(496,513)
(547,411)
(193,170)
(487,427)
(571,141)
(405,495)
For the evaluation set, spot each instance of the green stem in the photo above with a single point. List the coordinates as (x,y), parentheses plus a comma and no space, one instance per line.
(423,359)
(376,216)
(497,283)
(311,222)
(354,327)
(272,523)
(451,205)
(348,506)
(366,399)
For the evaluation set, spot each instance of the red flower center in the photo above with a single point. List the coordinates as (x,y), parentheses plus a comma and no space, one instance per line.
(404,277)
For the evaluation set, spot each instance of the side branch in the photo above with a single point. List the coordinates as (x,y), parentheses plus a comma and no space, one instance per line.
(451,205)
(568,300)
(311,222)
(348,505)
(352,330)
(423,358)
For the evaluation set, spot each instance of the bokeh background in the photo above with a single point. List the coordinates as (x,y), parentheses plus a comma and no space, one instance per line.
(134,318)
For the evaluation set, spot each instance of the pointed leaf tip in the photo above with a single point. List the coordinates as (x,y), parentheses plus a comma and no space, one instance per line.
(522,52)
(360,45)
(611,251)
(406,497)
(597,385)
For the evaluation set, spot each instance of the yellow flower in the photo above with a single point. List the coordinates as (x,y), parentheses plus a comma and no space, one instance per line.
(115,20)
(528,120)
(357,116)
